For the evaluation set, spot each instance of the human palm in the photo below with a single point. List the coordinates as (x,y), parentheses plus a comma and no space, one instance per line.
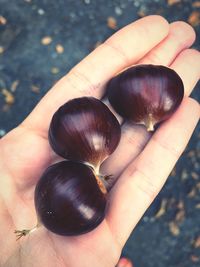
(140,173)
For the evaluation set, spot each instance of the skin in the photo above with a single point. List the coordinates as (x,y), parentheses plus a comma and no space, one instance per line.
(140,174)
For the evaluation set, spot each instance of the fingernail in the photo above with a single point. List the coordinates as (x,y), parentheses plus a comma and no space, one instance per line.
(124,262)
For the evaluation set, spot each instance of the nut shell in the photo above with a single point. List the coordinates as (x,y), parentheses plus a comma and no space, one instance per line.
(85,130)
(146,94)
(68,199)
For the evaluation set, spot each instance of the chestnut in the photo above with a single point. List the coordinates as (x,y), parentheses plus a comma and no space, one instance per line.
(69,199)
(85,130)
(146,94)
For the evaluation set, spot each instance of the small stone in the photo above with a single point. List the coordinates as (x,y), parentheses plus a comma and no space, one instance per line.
(59,49)
(1,49)
(194,18)
(112,23)
(118,10)
(3,20)
(8,96)
(55,70)
(46,40)
(184,175)
(41,11)
(87,2)
(2,132)
(136,3)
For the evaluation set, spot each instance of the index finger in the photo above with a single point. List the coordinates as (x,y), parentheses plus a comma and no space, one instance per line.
(88,78)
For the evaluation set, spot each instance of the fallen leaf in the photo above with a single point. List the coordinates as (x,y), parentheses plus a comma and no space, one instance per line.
(59,49)
(192,193)
(46,40)
(141,13)
(196,243)
(194,258)
(196,4)
(174,229)
(195,175)
(112,23)
(198,185)
(197,206)
(194,18)
(162,209)
(8,96)
(35,89)
(14,86)
(180,216)
(180,204)
(3,20)
(173,2)
(1,50)
(55,70)
(191,154)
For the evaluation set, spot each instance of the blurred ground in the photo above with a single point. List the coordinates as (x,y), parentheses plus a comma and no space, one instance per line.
(40,40)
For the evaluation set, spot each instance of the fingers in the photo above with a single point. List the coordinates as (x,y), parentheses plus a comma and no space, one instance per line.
(144,178)
(187,65)
(181,36)
(134,137)
(88,78)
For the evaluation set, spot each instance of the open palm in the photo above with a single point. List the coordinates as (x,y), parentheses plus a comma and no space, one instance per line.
(140,164)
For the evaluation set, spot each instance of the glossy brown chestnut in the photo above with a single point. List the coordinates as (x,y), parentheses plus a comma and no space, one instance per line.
(85,130)
(69,199)
(146,94)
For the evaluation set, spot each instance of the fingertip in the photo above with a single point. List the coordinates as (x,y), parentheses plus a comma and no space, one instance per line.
(182,29)
(192,53)
(187,65)
(194,105)
(157,21)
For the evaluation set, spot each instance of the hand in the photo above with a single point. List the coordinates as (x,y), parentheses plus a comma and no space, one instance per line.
(141,171)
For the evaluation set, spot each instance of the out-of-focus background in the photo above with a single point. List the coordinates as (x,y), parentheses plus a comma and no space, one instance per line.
(40,40)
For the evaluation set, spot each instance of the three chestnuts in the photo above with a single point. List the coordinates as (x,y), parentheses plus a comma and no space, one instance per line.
(70,197)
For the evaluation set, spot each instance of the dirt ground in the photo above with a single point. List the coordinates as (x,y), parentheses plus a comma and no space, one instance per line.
(40,40)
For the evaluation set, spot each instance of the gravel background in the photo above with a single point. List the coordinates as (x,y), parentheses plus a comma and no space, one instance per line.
(168,234)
